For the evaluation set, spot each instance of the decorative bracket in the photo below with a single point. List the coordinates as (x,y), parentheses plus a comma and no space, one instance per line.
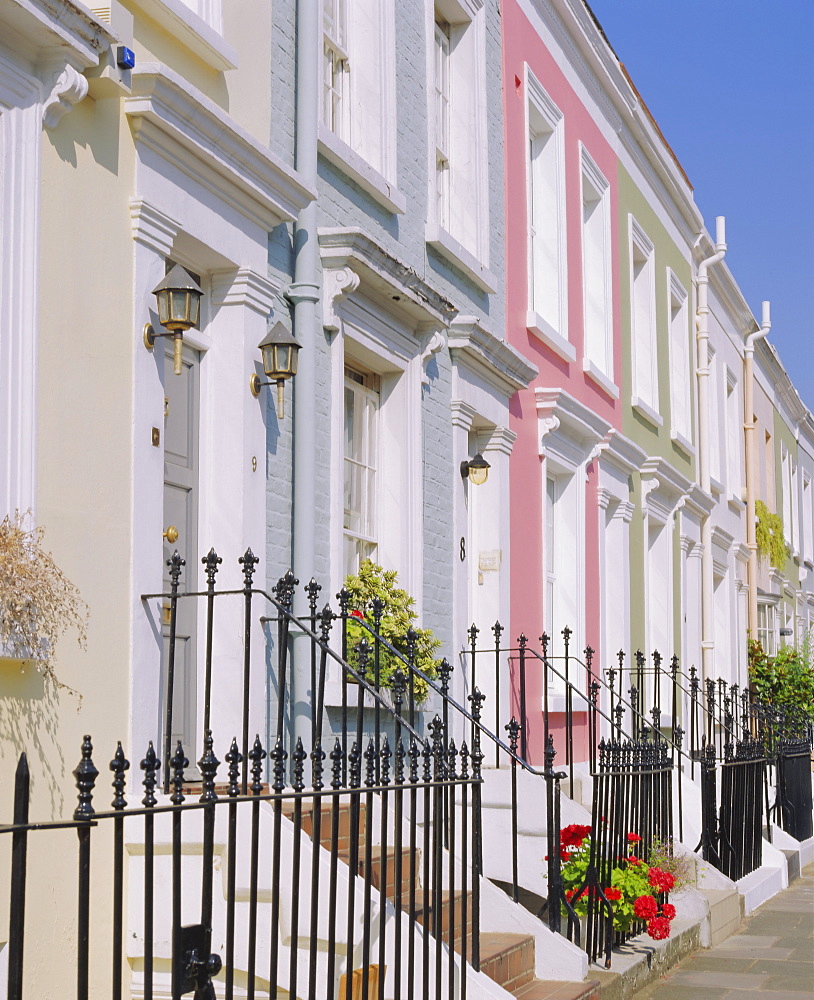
(337,283)
(546,426)
(68,89)
(435,343)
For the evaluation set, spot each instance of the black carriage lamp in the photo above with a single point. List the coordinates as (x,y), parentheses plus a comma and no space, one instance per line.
(179,309)
(279,349)
(476,470)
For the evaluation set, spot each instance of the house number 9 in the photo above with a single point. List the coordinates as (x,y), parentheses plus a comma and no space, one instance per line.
(254,463)
(463,549)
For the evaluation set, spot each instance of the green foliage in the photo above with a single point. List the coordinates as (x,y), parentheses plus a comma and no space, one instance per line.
(398,616)
(786,680)
(771,544)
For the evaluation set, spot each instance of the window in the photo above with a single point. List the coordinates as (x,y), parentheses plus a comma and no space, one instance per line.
(808,521)
(734,437)
(360,468)
(643,317)
(335,68)
(788,476)
(442,94)
(547,284)
(714,421)
(457,108)
(680,405)
(765,629)
(358,82)
(596,262)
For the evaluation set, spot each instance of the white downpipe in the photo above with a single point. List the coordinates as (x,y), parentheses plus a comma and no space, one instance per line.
(751,460)
(702,373)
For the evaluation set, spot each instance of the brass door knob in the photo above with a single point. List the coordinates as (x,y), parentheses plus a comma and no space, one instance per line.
(171,534)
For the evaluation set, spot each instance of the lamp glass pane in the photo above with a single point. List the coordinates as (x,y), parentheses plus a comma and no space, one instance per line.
(478,476)
(194,308)
(283,359)
(163,306)
(180,305)
(268,359)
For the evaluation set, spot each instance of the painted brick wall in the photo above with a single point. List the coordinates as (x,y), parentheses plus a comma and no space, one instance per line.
(343,203)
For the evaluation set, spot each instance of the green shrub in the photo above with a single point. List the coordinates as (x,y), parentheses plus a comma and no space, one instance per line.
(786,680)
(398,617)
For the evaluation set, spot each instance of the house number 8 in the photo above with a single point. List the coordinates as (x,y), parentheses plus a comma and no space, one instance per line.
(463,549)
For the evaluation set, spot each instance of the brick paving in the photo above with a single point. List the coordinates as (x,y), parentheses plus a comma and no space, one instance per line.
(771,956)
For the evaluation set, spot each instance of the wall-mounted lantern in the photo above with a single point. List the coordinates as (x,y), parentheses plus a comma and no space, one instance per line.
(476,470)
(279,349)
(179,309)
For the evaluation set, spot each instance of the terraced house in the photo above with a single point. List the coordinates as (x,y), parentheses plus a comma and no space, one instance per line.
(397,419)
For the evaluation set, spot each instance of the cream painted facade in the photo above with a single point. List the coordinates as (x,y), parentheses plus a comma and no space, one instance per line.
(106,175)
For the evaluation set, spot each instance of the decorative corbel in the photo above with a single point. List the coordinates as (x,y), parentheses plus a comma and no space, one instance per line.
(436,341)
(648,485)
(596,451)
(337,283)
(69,88)
(545,426)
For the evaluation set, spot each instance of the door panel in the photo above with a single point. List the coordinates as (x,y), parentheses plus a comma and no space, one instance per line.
(181,425)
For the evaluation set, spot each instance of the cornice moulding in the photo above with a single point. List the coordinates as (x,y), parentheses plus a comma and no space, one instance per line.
(220,153)
(152,227)
(499,363)
(56,30)
(400,287)
(244,287)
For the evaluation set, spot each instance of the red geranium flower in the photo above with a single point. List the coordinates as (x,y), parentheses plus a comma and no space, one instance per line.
(633,838)
(357,614)
(658,928)
(574,834)
(645,907)
(668,911)
(612,893)
(633,860)
(660,879)
(569,894)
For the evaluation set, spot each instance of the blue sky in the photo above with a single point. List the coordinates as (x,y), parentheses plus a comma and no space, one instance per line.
(731,84)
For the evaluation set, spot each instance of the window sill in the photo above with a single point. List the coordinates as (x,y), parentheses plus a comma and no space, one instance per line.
(716,486)
(548,335)
(682,443)
(192,32)
(736,504)
(808,562)
(357,169)
(449,248)
(607,385)
(646,411)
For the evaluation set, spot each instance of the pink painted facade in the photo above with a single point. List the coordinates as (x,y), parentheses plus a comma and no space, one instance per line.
(522,47)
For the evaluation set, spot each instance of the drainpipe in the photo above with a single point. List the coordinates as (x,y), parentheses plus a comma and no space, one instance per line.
(702,372)
(305,294)
(751,461)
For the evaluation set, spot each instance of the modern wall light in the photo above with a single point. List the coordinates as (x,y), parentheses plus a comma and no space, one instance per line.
(279,349)
(179,308)
(476,470)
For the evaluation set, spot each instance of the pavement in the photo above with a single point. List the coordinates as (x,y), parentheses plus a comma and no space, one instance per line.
(771,956)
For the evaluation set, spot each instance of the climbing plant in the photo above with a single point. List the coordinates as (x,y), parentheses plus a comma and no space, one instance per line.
(771,544)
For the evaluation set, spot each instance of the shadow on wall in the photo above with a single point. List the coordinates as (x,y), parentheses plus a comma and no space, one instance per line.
(30,706)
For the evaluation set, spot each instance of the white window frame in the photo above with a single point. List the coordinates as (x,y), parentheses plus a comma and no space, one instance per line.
(785,485)
(364,387)
(335,103)
(680,381)
(734,437)
(808,518)
(458,229)
(597,348)
(370,341)
(715,465)
(547,251)
(767,628)
(644,334)
(359,142)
